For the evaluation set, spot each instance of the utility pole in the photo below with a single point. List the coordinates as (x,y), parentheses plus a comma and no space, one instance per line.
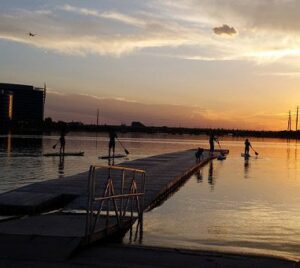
(97,123)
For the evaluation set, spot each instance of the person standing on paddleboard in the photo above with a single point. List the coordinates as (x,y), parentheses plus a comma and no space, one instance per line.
(247,147)
(112,143)
(62,141)
(212,140)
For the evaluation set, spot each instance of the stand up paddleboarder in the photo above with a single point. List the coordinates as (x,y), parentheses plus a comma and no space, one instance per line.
(112,143)
(62,141)
(247,147)
(212,140)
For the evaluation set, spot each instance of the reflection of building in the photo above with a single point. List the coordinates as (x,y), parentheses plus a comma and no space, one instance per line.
(21,103)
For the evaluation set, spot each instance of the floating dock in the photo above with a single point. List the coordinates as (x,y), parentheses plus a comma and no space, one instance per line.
(56,217)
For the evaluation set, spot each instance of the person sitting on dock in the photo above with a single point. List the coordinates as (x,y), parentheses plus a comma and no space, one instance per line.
(247,147)
(112,143)
(62,141)
(198,154)
(212,140)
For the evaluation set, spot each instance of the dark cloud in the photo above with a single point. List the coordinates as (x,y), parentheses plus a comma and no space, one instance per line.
(271,15)
(225,29)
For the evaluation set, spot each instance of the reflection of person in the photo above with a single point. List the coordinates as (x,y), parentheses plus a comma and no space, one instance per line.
(212,140)
(62,141)
(61,166)
(198,154)
(199,176)
(211,174)
(247,147)
(112,143)
(246,168)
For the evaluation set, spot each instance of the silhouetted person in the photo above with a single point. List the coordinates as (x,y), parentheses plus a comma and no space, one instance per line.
(198,154)
(212,140)
(247,147)
(112,143)
(62,141)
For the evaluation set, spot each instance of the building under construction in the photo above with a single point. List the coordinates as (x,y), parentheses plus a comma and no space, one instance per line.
(21,103)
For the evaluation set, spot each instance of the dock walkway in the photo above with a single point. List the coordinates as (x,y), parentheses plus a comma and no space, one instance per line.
(51,205)
(163,173)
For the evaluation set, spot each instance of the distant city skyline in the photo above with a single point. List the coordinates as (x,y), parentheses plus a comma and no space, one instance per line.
(231,64)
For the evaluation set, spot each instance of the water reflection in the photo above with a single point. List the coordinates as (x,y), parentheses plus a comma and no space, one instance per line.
(136,232)
(199,176)
(111,161)
(288,151)
(211,178)
(11,145)
(61,166)
(260,213)
(6,144)
(96,140)
(246,168)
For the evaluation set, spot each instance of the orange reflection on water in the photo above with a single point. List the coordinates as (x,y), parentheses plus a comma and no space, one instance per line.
(9,144)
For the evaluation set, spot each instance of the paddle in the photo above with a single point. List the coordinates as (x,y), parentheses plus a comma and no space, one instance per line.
(54,146)
(125,150)
(256,153)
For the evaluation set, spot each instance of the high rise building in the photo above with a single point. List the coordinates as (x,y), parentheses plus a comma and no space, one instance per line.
(21,103)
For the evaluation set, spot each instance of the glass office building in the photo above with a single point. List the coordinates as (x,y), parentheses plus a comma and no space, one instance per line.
(21,103)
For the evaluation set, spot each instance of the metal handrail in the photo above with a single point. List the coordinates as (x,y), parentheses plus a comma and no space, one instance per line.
(136,197)
(120,168)
(117,196)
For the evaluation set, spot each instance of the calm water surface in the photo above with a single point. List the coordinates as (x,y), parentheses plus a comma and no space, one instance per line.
(232,205)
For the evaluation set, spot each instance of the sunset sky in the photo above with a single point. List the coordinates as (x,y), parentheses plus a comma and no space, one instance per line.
(194,63)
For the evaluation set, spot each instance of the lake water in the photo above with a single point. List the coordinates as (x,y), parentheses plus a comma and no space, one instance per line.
(232,205)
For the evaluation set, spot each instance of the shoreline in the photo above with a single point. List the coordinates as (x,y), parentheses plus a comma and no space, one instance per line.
(212,252)
(221,250)
(54,127)
(116,255)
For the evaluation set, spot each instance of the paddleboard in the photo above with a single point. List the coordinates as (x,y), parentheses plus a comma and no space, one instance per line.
(110,157)
(65,154)
(245,155)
